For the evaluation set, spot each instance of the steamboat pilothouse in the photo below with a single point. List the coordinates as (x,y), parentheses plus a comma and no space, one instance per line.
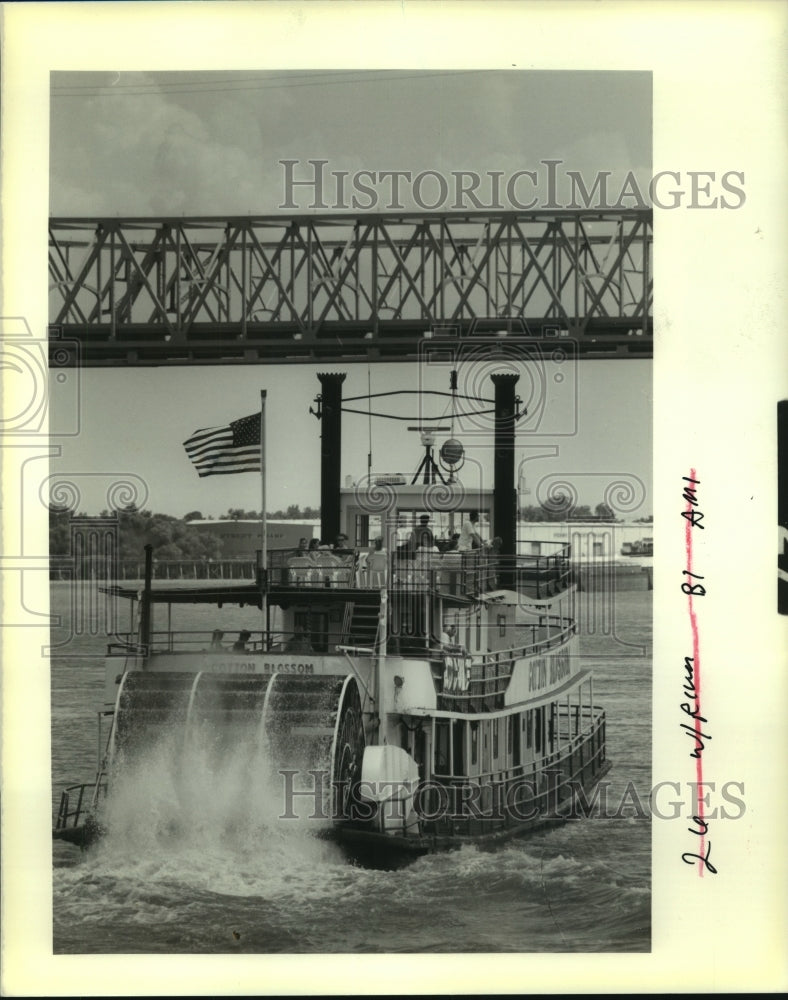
(421,671)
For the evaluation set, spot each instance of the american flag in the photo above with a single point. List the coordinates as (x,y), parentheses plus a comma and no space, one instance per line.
(221,451)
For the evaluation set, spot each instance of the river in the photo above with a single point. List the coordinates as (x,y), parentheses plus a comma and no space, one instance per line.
(259,885)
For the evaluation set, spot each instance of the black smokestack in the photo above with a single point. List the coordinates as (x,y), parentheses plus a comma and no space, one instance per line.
(505,495)
(330,453)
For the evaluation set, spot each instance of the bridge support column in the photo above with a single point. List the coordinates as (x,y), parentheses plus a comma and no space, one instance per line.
(330,453)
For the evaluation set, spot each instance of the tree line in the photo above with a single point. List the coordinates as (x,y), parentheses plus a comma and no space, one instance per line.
(171,537)
(292,513)
(175,538)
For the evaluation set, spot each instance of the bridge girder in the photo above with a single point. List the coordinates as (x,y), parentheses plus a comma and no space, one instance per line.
(343,288)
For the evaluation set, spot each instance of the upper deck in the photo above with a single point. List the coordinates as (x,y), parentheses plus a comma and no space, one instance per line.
(453,574)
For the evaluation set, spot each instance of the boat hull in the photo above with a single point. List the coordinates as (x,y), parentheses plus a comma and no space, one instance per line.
(373,849)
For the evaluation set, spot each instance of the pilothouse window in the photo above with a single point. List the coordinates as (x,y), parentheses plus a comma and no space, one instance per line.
(458,758)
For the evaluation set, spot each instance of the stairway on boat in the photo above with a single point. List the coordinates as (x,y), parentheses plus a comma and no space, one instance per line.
(362,620)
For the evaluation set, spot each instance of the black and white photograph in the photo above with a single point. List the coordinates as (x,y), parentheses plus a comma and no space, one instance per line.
(420,649)
(365,530)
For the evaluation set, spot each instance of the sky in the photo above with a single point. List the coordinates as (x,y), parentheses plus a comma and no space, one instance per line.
(147,144)
(210,143)
(136,420)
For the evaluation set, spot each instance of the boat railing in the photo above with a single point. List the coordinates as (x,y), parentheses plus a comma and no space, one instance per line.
(202,641)
(478,571)
(77,801)
(571,719)
(319,568)
(454,573)
(128,645)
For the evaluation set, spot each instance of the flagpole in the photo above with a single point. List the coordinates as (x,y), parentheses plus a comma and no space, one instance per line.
(263,521)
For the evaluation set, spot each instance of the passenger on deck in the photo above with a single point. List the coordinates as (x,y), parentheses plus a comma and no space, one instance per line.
(299,642)
(313,552)
(422,537)
(454,543)
(299,564)
(469,535)
(493,551)
(377,564)
(341,545)
(239,646)
(448,635)
(216,639)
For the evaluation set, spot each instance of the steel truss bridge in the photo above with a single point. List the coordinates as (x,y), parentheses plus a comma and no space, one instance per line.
(302,288)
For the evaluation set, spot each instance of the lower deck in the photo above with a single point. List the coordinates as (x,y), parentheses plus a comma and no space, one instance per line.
(482,790)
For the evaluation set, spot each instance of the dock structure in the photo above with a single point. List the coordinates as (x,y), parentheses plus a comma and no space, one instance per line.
(344,287)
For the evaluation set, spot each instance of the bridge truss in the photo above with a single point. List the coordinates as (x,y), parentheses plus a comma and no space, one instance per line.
(144,291)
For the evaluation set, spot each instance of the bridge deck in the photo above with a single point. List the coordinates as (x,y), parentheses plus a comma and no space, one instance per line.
(345,287)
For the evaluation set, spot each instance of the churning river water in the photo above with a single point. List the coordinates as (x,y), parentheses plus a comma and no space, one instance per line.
(203,865)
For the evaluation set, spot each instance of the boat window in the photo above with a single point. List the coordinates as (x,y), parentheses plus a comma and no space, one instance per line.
(478,631)
(528,727)
(496,725)
(474,743)
(458,758)
(362,530)
(514,747)
(441,747)
(538,730)
(501,625)
(319,630)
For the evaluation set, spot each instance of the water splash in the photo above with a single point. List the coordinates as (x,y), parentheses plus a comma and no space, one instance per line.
(210,810)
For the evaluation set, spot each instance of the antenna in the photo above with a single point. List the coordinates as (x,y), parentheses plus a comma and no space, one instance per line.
(452,453)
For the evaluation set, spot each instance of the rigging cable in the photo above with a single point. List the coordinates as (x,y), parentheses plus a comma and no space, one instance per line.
(390,416)
(416,392)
